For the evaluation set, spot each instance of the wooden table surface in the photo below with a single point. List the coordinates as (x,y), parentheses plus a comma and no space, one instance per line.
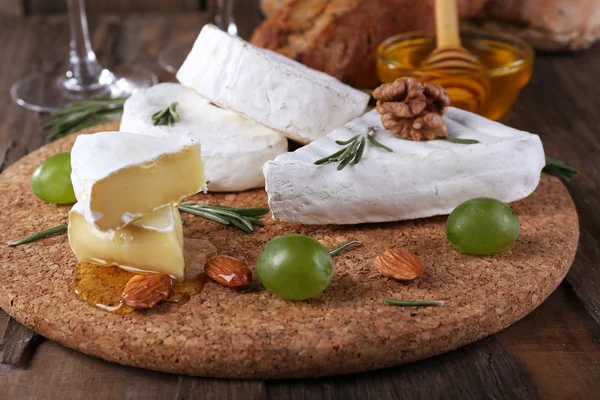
(552,353)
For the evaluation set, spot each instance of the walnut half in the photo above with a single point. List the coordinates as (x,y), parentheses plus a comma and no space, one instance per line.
(413,110)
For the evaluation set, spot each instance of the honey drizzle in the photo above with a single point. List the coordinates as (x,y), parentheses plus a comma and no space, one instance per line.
(102,286)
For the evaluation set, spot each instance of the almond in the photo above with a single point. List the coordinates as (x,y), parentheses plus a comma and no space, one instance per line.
(228,271)
(399,264)
(144,291)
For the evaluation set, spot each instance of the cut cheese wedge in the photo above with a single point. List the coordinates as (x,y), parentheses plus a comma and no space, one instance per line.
(234,147)
(118,177)
(419,179)
(271,89)
(153,243)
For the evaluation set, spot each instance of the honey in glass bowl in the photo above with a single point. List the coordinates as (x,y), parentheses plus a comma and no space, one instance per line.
(507,61)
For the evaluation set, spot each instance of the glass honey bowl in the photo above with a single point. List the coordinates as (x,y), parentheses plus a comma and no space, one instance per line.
(507,61)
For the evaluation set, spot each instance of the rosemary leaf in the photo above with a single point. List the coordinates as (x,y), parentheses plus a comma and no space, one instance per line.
(375,143)
(40,235)
(354,150)
(233,218)
(345,142)
(335,251)
(560,169)
(408,303)
(166,116)
(82,114)
(360,151)
(241,218)
(204,214)
(246,212)
(255,221)
(460,141)
(348,155)
(242,224)
(329,158)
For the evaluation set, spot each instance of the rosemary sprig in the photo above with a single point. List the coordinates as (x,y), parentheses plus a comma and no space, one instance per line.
(335,251)
(560,169)
(354,150)
(460,141)
(79,115)
(408,303)
(166,116)
(40,235)
(241,218)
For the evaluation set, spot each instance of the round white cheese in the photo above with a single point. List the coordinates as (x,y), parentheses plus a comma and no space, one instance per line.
(234,147)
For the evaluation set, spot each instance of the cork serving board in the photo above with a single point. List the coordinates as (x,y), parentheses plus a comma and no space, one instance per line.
(348,328)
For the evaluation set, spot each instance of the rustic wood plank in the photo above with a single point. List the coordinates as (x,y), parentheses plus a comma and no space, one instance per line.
(558,345)
(115,6)
(17,344)
(11,8)
(217,389)
(60,373)
(483,370)
(568,126)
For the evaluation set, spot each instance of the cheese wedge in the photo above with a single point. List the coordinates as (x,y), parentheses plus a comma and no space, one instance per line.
(419,179)
(234,147)
(271,89)
(118,177)
(153,243)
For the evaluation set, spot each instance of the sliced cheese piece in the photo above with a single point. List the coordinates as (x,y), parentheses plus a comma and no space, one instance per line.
(271,89)
(234,147)
(118,177)
(153,243)
(419,179)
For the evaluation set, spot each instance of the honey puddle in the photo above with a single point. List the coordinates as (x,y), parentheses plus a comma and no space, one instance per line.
(102,286)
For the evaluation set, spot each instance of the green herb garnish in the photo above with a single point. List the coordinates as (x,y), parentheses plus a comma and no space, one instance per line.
(166,116)
(559,168)
(335,251)
(241,218)
(460,141)
(79,115)
(40,235)
(408,303)
(354,150)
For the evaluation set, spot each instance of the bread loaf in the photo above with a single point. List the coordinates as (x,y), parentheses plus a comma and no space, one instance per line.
(340,37)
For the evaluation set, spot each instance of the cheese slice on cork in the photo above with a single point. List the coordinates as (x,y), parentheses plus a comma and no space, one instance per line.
(153,243)
(276,91)
(417,180)
(119,177)
(234,147)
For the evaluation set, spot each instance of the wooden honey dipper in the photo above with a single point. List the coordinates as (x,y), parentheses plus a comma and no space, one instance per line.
(454,67)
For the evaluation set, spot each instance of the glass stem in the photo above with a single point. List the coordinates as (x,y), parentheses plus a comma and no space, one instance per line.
(224,18)
(85,73)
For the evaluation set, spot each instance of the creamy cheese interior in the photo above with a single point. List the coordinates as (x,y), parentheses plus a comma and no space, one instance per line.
(153,243)
(139,189)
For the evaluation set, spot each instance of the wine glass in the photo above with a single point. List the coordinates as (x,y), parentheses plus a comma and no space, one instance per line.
(85,79)
(173,55)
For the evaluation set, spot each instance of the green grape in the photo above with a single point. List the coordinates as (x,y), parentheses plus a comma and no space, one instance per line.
(295,267)
(51,180)
(482,226)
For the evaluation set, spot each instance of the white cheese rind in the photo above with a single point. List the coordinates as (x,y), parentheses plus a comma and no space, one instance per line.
(271,89)
(420,179)
(234,147)
(94,158)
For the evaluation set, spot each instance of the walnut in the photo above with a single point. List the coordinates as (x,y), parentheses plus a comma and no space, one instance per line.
(411,109)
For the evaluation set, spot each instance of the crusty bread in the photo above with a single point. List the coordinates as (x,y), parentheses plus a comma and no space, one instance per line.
(340,37)
(546,24)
